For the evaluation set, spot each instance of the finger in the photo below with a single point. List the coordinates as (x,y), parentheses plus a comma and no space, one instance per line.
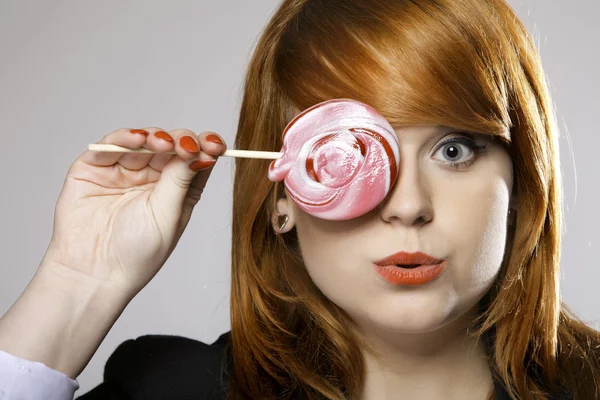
(188,145)
(212,144)
(194,194)
(198,184)
(130,138)
(159,161)
(124,137)
(182,139)
(138,161)
(174,185)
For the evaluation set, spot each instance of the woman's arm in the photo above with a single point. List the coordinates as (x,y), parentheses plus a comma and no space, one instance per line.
(60,319)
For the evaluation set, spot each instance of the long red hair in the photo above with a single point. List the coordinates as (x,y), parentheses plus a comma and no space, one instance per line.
(469,64)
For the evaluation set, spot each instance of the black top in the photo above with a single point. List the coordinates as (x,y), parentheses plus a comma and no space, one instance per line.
(164,367)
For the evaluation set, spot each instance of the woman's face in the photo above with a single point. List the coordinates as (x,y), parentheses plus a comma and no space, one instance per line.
(449,201)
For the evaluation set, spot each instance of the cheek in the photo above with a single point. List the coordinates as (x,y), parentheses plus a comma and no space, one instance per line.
(331,250)
(316,244)
(473,218)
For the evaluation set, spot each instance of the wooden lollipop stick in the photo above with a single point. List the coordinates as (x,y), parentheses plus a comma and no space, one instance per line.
(111,148)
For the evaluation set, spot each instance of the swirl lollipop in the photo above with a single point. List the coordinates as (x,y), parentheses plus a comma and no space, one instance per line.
(340,159)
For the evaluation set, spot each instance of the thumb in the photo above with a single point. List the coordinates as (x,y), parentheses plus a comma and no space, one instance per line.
(180,185)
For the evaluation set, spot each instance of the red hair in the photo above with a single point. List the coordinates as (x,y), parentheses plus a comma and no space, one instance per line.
(469,64)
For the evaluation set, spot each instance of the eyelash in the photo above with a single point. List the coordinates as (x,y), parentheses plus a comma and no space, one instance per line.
(477,149)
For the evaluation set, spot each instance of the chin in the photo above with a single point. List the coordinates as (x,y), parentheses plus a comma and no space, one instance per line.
(412,320)
(415,312)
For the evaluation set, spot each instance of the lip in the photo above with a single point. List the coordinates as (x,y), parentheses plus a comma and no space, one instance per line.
(429,268)
(403,257)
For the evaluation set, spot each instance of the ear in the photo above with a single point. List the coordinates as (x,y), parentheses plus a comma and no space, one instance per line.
(283,219)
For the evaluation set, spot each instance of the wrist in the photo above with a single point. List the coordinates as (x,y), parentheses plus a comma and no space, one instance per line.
(75,284)
(61,318)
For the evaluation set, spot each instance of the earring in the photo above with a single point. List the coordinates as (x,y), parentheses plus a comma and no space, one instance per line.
(276,220)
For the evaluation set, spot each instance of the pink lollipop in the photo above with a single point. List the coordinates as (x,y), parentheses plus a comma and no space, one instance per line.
(340,159)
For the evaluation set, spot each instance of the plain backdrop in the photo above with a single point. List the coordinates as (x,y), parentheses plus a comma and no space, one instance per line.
(73,71)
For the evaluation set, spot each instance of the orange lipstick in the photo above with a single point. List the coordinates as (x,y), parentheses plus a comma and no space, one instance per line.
(404,268)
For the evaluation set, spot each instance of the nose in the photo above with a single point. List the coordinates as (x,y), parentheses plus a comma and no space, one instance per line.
(409,201)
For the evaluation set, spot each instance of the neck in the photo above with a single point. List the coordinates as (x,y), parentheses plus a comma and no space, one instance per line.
(443,364)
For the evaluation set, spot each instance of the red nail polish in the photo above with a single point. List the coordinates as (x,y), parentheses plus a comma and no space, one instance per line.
(189,144)
(164,136)
(214,138)
(198,165)
(143,131)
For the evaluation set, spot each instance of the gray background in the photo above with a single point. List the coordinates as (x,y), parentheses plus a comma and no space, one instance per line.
(73,71)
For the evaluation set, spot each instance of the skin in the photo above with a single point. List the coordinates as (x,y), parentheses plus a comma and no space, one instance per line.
(416,335)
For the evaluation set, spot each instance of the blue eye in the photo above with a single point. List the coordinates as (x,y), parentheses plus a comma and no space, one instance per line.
(458,151)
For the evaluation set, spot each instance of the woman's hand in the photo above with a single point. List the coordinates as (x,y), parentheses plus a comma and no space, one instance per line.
(117,220)
(120,215)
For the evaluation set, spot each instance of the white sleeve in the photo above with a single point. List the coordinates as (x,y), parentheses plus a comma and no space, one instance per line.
(22,379)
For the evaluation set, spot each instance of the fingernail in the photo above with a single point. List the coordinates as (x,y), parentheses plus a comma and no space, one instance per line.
(198,165)
(164,136)
(214,138)
(189,144)
(145,132)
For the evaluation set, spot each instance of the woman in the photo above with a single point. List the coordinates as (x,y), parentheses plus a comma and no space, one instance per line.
(311,317)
